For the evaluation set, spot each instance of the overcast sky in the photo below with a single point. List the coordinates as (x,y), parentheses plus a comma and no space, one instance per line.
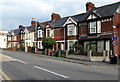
(20,12)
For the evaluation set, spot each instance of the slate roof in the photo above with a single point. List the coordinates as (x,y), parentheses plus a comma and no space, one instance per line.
(107,10)
(101,37)
(31,28)
(103,11)
(15,31)
(59,22)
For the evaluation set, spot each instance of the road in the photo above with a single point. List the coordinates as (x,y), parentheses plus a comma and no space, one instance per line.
(26,66)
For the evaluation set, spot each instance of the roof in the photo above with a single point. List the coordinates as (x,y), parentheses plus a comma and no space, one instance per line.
(103,11)
(107,10)
(31,28)
(101,37)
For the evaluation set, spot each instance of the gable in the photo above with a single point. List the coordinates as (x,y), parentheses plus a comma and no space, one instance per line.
(91,16)
(69,21)
(118,10)
(39,27)
(26,30)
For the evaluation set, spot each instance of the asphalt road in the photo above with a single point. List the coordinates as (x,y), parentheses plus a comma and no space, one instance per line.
(25,66)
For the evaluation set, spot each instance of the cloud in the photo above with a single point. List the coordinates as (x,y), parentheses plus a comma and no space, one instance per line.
(16,12)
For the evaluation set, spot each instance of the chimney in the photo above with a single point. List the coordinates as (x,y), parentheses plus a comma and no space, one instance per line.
(21,26)
(33,23)
(89,6)
(55,16)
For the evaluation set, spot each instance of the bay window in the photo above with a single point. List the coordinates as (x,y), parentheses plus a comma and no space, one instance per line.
(100,46)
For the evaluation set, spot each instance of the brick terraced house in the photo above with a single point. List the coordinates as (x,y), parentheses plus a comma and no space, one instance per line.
(98,26)
(15,37)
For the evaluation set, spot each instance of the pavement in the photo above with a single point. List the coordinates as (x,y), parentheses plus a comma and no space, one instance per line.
(28,66)
(73,60)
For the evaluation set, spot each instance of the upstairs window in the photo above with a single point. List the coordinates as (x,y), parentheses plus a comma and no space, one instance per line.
(48,33)
(92,27)
(95,27)
(71,30)
(40,33)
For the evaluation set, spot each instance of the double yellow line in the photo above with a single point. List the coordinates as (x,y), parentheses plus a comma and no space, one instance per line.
(5,76)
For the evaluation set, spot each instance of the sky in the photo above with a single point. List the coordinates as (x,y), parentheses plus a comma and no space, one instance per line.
(20,12)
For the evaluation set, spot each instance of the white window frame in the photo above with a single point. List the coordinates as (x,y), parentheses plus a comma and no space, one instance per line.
(40,33)
(98,26)
(92,27)
(40,45)
(47,33)
(73,30)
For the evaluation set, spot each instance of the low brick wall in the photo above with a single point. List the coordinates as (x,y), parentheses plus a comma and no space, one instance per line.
(80,57)
(97,58)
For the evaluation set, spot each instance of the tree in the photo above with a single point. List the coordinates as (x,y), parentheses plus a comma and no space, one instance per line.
(21,47)
(48,43)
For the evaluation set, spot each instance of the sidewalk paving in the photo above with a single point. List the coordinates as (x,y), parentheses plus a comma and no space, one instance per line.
(79,61)
(84,62)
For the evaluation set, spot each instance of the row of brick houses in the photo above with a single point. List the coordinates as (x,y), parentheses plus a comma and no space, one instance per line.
(98,26)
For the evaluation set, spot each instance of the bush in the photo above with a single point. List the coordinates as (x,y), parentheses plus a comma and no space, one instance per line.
(48,43)
(71,51)
(21,48)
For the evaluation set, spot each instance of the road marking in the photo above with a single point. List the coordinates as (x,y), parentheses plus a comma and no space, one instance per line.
(51,72)
(21,61)
(5,76)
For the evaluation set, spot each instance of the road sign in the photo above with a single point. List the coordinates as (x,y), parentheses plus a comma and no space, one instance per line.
(114,42)
(115,38)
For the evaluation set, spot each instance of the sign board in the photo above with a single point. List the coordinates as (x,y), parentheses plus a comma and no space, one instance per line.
(114,42)
(115,38)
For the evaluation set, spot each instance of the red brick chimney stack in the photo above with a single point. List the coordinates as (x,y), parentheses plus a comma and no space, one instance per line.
(33,23)
(55,16)
(89,6)
(21,26)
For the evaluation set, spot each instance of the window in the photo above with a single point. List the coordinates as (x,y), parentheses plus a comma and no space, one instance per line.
(48,33)
(70,44)
(71,30)
(100,46)
(40,33)
(92,27)
(95,27)
(107,44)
(40,45)
(86,45)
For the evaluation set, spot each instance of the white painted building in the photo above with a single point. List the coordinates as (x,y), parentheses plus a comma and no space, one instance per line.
(3,39)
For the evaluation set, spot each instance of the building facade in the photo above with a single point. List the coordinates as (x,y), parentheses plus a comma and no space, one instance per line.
(3,39)
(98,26)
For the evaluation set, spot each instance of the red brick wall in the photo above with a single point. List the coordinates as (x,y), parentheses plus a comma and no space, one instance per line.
(116,22)
(83,30)
(107,26)
(59,34)
(71,37)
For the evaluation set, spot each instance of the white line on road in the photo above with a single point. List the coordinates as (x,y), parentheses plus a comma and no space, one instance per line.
(51,72)
(21,61)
